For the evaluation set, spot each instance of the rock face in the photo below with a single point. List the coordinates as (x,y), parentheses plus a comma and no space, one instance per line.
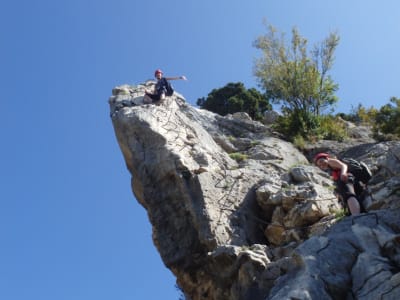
(240,214)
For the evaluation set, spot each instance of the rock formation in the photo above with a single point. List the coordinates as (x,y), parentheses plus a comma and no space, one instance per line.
(238,213)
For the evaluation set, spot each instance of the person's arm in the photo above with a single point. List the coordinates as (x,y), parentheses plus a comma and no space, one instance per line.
(176,78)
(337,164)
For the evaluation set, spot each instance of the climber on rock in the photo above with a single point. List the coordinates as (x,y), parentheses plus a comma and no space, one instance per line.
(349,187)
(162,88)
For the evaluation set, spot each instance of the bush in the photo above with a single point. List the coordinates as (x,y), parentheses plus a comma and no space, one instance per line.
(387,120)
(299,142)
(234,97)
(360,115)
(238,156)
(332,128)
(297,123)
(302,127)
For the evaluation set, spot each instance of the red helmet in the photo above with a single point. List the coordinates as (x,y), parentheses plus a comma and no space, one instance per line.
(158,71)
(319,156)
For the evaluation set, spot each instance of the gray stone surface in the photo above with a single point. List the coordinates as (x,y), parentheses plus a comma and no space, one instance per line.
(238,213)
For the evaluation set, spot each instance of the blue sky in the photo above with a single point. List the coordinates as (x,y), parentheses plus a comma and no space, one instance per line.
(70,228)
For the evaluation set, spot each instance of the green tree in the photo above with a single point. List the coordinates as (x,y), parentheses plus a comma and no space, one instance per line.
(297,80)
(360,115)
(234,97)
(387,120)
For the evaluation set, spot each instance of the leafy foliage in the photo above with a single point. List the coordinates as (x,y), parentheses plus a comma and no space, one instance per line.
(332,128)
(238,156)
(361,115)
(300,83)
(387,121)
(299,126)
(296,80)
(340,214)
(234,97)
(297,123)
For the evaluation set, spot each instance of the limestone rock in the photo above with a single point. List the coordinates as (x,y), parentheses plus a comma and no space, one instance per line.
(238,213)
(270,116)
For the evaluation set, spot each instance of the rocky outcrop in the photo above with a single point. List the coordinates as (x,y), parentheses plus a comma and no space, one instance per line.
(238,213)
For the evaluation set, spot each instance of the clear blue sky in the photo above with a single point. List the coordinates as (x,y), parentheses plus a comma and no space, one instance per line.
(70,228)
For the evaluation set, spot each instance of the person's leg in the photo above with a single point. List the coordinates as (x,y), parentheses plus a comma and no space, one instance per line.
(361,193)
(150,98)
(353,206)
(147,99)
(346,189)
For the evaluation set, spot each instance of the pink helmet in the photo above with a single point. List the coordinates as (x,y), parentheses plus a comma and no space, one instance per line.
(158,71)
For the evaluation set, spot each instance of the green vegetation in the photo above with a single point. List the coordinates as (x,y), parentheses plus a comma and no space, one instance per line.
(231,138)
(299,142)
(387,121)
(298,80)
(234,97)
(332,128)
(360,115)
(238,156)
(299,128)
(340,214)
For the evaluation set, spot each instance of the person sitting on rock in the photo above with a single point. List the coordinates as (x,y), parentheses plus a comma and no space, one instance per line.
(348,186)
(163,88)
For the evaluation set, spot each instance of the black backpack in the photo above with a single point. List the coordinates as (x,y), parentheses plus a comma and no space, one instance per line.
(166,87)
(359,169)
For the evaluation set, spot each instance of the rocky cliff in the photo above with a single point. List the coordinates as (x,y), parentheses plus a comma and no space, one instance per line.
(238,213)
